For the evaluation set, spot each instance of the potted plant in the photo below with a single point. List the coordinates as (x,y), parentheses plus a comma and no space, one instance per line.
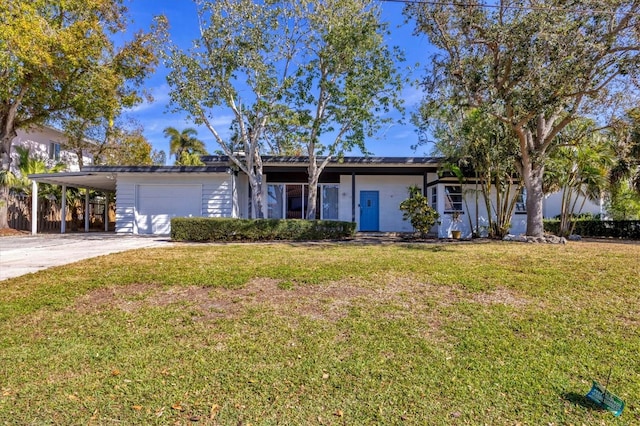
(456,233)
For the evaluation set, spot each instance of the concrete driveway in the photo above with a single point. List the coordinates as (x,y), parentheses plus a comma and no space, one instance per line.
(24,254)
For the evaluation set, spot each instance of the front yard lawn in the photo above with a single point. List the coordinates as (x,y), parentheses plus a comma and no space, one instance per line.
(415,334)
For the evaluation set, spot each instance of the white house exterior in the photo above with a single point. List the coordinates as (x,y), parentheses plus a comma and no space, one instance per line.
(146,202)
(47,144)
(364,190)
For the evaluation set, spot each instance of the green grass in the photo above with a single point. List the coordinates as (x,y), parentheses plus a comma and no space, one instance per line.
(496,333)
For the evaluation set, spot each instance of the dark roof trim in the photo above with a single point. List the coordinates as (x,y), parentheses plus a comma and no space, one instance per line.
(59,174)
(156,169)
(336,162)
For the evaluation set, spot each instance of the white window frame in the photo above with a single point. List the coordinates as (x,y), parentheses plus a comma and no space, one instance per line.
(321,192)
(521,202)
(456,206)
(305,187)
(54,151)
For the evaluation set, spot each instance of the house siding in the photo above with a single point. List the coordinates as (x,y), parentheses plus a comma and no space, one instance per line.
(216,195)
(392,191)
(37,140)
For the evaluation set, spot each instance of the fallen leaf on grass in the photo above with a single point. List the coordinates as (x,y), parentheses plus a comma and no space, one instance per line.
(338,413)
(137,407)
(214,411)
(177,407)
(115,372)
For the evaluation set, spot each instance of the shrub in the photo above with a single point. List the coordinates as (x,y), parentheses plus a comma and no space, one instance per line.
(629,229)
(417,210)
(228,229)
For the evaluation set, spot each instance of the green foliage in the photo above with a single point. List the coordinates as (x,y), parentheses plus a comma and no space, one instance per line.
(126,147)
(226,229)
(623,203)
(626,133)
(535,69)
(475,140)
(184,142)
(578,168)
(416,209)
(189,159)
(312,77)
(158,157)
(58,61)
(31,164)
(626,229)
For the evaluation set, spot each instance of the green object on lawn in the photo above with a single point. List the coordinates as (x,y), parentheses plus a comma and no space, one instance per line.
(601,397)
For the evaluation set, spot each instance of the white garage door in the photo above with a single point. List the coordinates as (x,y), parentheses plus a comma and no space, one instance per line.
(157,204)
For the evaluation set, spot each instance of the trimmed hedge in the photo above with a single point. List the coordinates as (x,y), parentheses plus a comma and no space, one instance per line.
(628,229)
(226,229)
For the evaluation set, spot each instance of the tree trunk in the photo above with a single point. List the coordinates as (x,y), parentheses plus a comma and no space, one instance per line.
(80,158)
(532,176)
(314,177)
(4,206)
(256,195)
(6,137)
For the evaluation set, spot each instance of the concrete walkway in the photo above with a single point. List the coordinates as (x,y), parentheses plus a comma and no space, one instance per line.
(25,254)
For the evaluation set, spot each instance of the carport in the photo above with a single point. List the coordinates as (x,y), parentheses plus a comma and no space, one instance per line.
(97,181)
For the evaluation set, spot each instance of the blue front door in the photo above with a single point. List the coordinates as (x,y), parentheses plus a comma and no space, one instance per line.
(369,211)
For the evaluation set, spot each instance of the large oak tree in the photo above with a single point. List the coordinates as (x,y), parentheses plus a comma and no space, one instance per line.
(536,65)
(58,60)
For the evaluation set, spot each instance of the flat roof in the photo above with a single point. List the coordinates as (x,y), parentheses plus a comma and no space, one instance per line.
(96,181)
(335,161)
(103,178)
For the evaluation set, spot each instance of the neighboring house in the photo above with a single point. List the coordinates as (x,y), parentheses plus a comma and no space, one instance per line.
(365,190)
(47,144)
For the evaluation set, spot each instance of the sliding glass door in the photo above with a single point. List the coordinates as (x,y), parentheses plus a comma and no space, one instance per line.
(289,201)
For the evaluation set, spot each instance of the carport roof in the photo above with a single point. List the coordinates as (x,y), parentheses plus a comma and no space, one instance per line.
(103,178)
(96,181)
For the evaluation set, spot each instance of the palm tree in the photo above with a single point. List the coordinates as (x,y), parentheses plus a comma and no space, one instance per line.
(624,177)
(184,141)
(30,165)
(578,167)
(627,167)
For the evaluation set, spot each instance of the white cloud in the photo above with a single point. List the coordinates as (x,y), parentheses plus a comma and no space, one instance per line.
(412,96)
(160,95)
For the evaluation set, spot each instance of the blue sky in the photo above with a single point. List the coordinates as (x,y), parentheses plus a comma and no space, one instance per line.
(393,140)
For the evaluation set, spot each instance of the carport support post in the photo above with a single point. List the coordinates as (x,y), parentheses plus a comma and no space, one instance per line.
(106,212)
(34,207)
(63,211)
(86,210)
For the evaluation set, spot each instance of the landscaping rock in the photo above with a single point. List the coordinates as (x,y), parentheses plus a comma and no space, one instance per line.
(545,239)
(574,237)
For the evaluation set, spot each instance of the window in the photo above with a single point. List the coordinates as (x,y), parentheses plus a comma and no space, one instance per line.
(434,198)
(329,201)
(521,206)
(453,198)
(54,151)
(275,201)
(295,201)
(289,201)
